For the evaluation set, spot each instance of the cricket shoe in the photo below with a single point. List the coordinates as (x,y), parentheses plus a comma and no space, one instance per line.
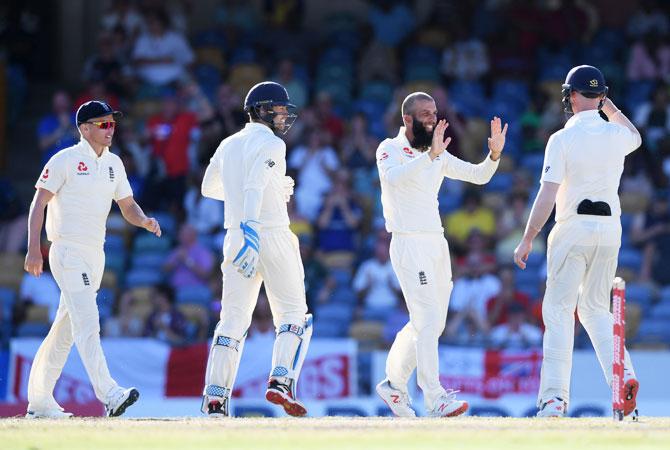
(554,407)
(120,400)
(281,394)
(218,409)
(630,389)
(398,401)
(48,414)
(448,406)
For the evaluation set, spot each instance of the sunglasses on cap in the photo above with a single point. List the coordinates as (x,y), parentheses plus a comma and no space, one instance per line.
(103,125)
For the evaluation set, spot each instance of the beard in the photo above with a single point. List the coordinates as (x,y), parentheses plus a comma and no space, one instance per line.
(422,137)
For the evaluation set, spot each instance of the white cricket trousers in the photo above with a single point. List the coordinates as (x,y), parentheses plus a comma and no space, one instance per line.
(422,264)
(78,271)
(582,255)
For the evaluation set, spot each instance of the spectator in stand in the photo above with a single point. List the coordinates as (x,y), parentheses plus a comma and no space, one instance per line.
(161,56)
(262,326)
(498,307)
(376,284)
(171,134)
(57,129)
(107,67)
(328,120)
(97,89)
(358,146)
(392,21)
(315,271)
(13,219)
(123,323)
(648,18)
(652,118)
(123,14)
(516,333)
(314,162)
(165,323)
(511,225)
(204,214)
(651,231)
(466,58)
(471,215)
(339,217)
(225,118)
(190,264)
(649,59)
(38,291)
(297,91)
(468,301)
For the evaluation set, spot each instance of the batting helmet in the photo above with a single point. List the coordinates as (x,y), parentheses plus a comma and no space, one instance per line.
(262,97)
(587,80)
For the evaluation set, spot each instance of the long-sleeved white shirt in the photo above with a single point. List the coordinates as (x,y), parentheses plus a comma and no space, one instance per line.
(410,182)
(247,173)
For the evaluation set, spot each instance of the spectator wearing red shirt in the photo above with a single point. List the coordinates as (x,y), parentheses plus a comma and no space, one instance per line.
(171,135)
(498,307)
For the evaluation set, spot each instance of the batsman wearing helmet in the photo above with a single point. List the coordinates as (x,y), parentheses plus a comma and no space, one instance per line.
(248,173)
(582,169)
(412,167)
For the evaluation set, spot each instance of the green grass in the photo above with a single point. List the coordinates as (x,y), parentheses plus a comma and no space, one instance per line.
(336,433)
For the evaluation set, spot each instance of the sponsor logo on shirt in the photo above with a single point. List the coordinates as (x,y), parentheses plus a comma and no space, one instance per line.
(546,169)
(423,280)
(45,176)
(408,152)
(384,156)
(270,163)
(111,174)
(82,169)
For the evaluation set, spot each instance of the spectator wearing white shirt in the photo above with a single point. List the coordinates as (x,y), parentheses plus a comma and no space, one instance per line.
(160,54)
(516,333)
(376,283)
(314,163)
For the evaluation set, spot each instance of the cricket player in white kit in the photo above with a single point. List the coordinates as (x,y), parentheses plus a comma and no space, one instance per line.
(412,167)
(77,186)
(582,169)
(248,173)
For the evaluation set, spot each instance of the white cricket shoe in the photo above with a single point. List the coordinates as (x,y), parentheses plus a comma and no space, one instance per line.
(48,414)
(554,407)
(448,406)
(398,401)
(120,400)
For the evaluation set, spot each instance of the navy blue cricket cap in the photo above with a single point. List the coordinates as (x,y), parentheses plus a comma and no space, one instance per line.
(94,109)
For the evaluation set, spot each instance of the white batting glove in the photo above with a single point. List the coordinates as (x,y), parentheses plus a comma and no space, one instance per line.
(288,183)
(246,259)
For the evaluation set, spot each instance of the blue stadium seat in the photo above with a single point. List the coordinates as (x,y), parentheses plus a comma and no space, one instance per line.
(630,258)
(7,299)
(114,242)
(422,55)
(200,295)
(535,260)
(343,295)
(342,277)
(379,91)
(641,294)
(653,330)
(501,182)
(329,329)
(661,311)
(533,163)
(115,261)
(167,222)
(32,329)
(664,294)
(145,241)
(335,312)
(148,260)
(143,277)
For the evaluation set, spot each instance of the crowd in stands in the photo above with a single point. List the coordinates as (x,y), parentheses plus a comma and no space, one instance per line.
(182,91)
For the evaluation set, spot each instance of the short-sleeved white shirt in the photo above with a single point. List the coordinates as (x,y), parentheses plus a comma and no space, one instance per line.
(586,158)
(84,186)
(252,158)
(411,205)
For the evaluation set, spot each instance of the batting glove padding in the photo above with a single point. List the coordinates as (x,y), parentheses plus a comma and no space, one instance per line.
(246,259)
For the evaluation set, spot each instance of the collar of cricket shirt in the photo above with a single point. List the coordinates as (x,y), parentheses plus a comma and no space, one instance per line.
(582,115)
(88,150)
(252,126)
(403,138)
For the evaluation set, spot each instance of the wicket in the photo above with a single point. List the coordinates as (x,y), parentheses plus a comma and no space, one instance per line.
(619,330)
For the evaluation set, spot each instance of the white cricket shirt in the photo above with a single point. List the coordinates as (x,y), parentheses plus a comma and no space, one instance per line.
(410,182)
(252,158)
(586,158)
(84,186)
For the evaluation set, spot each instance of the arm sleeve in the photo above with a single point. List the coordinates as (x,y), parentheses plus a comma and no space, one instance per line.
(393,170)
(53,175)
(123,188)
(212,181)
(630,140)
(458,169)
(553,169)
(263,167)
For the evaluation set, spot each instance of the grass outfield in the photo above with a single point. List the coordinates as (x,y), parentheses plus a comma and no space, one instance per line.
(335,433)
